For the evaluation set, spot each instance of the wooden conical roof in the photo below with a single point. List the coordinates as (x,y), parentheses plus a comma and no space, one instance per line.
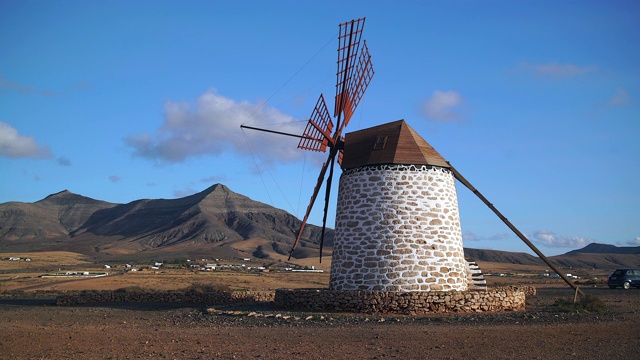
(392,143)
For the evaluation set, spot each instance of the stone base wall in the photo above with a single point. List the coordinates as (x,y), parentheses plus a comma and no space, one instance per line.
(398,229)
(410,303)
(209,298)
(325,300)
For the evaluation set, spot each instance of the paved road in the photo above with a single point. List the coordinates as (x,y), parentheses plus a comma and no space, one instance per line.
(42,286)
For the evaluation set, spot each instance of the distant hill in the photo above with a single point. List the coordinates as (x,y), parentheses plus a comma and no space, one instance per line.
(601,256)
(217,215)
(502,256)
(50,218)
(593,256)
(595,248)
(598,261)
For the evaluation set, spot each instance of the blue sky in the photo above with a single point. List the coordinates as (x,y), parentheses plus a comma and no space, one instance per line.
(534,102)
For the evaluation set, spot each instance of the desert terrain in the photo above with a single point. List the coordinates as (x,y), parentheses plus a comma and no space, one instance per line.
(33,327)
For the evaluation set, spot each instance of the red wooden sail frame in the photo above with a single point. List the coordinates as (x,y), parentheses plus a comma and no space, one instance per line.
(353,76)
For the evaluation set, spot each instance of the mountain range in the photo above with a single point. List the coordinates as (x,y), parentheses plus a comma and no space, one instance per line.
(207,223)
(216,222)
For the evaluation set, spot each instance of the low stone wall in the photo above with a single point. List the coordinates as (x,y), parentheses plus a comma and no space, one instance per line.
(38,294)
(209,298)
(528,290)
(373,302)
(411,303)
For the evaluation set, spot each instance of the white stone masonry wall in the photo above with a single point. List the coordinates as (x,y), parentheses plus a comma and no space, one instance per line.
(398,229)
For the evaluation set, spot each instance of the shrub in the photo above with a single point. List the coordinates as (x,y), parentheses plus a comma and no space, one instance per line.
(587,303)
(131,289)
(259,253)
(207,288)
(89,292)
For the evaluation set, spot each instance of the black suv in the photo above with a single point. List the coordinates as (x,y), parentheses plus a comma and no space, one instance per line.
(625,278)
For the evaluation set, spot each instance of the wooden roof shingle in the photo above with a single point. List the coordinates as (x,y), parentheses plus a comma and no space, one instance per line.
(388,144)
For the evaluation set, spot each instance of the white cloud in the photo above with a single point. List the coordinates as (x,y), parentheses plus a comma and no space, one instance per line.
(63,161)
(180,193)
(14,145)
(550,239)
(214,179)
(211,126)
(634,242)
(22,88)
(556,70)
(500,236)
(469,236)
(443,106)
(621,98)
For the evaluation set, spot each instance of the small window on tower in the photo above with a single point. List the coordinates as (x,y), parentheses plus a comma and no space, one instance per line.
(380,142)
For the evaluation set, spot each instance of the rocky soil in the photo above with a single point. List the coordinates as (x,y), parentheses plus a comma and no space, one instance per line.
(34,329)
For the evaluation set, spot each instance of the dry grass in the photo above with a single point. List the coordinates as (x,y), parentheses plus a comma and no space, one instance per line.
(173,280)
(515,274)
(247,247)
(25,276)
(39,260)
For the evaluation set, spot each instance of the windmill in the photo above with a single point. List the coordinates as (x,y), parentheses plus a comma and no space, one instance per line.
(353,76)
(383,251)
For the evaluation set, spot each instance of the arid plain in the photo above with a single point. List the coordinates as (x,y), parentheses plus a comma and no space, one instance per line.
(34,327)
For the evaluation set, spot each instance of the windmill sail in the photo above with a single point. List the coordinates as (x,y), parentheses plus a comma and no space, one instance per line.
(357,84)
(348,46)
(317,134)
(354,74)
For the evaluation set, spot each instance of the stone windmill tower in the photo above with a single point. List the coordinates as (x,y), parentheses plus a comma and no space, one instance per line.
(397,222)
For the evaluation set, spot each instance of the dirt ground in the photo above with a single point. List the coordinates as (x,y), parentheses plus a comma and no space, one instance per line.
(37,329)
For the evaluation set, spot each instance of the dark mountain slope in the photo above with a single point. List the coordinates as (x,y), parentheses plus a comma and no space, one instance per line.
(597,261)
(502,256)
(213,215)
(577,259)
(20,221)
(50,218)
(73,210)
(595,248)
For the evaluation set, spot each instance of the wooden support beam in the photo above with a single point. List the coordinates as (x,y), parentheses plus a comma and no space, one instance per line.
(466,183)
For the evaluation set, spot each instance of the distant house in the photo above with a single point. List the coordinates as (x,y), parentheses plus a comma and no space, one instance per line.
(107,266)
(158,264)
(210,266)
